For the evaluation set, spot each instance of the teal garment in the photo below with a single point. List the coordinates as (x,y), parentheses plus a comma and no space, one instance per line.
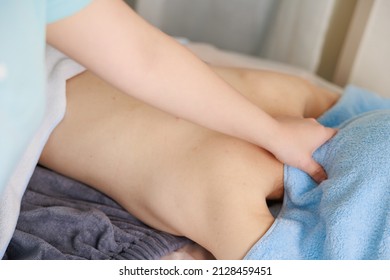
(22,72)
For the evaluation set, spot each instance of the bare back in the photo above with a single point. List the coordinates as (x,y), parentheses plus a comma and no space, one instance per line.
(172,174)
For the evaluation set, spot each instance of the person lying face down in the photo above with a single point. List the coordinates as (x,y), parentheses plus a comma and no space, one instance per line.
(173,175)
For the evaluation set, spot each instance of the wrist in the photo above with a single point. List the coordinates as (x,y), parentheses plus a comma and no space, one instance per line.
(269,134)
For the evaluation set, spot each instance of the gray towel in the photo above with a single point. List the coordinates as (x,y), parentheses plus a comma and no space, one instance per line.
(64,219)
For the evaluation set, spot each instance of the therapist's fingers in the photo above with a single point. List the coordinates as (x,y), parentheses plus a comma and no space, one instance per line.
(313,168)
(315,171)
(299,139)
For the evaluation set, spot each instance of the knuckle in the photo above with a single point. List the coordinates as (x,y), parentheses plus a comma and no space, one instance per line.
(307,164)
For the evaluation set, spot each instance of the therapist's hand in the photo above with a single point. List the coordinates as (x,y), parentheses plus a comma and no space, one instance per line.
(297,141)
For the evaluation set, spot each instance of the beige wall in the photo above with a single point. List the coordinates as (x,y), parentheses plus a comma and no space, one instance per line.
(371,65)
(337,32)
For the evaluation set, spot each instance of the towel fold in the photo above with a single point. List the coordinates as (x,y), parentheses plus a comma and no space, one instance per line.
(348,215)
(61,218)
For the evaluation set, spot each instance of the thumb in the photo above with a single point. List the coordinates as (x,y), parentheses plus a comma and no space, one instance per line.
(315,171)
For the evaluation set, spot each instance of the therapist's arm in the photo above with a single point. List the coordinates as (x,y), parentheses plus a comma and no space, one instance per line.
(111,40)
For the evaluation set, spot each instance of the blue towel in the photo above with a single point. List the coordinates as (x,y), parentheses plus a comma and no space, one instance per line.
(348,215)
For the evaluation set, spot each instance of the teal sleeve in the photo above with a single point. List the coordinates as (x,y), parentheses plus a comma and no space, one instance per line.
(58,9)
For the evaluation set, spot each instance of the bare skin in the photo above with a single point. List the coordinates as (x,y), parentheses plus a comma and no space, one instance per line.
(172,174)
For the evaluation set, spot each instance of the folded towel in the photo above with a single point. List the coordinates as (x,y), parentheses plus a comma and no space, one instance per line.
(61,218)
(348,215)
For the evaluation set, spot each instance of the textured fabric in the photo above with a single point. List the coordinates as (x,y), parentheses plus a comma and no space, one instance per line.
(348,215)
(63,219)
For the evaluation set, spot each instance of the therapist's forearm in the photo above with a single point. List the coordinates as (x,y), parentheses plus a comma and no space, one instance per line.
(147,64)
